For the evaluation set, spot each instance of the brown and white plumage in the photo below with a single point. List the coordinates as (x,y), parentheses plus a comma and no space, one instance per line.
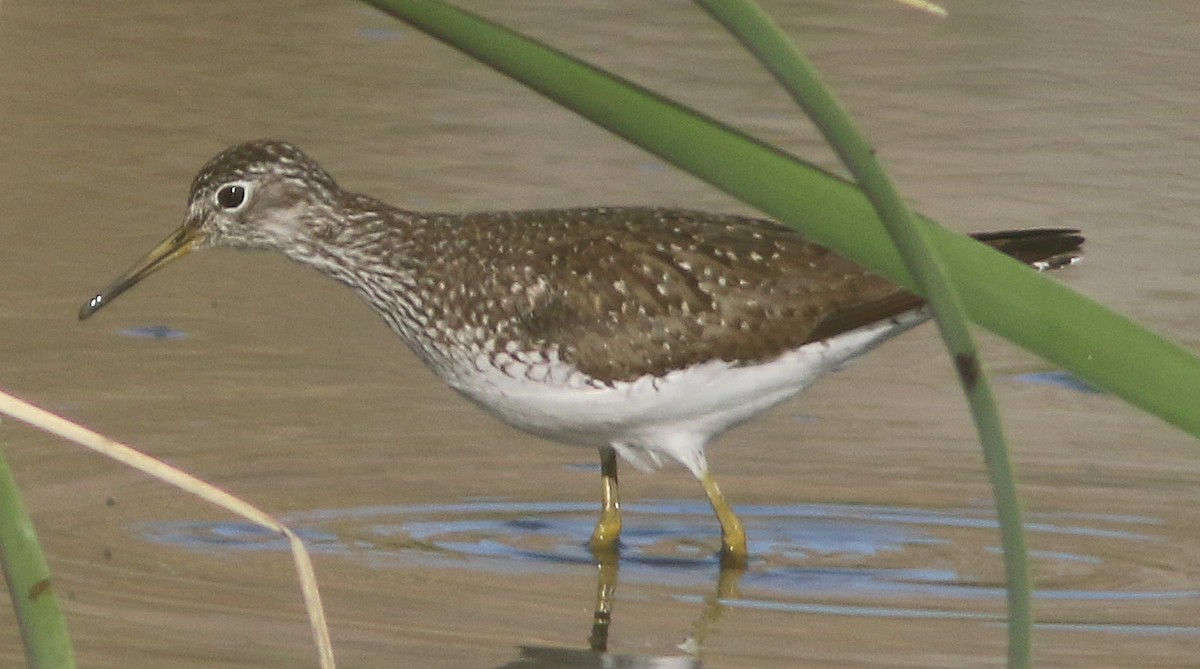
(641,331)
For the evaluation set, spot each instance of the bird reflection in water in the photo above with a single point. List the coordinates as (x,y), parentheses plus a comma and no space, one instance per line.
(597,656)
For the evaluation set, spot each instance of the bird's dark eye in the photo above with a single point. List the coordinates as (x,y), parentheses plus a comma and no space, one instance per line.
(231,196)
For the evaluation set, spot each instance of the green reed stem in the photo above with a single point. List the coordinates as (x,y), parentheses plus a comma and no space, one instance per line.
(43,628)
(763,37)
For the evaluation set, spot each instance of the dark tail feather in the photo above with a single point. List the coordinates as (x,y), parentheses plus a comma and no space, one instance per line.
(1043,249)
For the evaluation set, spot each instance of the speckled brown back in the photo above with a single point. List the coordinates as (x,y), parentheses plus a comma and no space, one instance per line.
(619,293)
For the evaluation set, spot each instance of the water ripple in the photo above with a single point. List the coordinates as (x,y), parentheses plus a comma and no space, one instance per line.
(863,553)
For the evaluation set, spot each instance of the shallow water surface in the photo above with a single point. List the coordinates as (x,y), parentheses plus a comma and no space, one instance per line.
(445,540)
(866,554)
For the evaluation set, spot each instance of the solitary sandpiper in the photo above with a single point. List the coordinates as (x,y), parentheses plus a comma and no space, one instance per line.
(643,332)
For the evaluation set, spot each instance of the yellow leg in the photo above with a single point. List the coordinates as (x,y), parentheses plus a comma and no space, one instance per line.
(606,536)
(733,538)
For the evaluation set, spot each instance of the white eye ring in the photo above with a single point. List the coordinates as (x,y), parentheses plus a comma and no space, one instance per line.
(233,195)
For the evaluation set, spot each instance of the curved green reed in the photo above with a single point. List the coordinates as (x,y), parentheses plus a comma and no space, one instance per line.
(762,37)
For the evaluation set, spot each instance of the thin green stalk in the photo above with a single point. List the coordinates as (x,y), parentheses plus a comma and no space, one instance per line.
(762,37)
(1050,320)
(43,628)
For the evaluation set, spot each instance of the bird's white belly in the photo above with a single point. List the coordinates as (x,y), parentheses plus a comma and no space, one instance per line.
(673,415)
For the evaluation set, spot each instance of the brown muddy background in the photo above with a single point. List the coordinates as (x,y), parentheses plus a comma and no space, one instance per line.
(446,540)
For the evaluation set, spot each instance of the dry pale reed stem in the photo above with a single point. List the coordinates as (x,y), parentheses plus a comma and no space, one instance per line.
(926,6)
(57,425)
